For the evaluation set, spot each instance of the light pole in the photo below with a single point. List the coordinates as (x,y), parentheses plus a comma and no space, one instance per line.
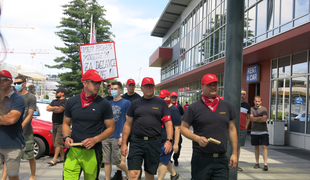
(42,82)
(139,75)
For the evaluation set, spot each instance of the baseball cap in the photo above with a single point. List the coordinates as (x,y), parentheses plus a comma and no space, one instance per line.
(164,93)
(130,81)
(6,74)
(61,89)
(174,94)
(209,78)
(109,84)
(92,75)
(148,80)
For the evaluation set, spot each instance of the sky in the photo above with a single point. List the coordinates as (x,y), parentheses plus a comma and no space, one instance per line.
(132,23)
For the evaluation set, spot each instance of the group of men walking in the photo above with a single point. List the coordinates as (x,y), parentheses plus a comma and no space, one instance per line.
(146,129)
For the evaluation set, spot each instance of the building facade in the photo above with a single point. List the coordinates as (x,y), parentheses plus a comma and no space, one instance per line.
(275,55)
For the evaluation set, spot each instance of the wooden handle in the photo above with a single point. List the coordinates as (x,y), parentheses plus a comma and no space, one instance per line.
(214,141)
(76,144)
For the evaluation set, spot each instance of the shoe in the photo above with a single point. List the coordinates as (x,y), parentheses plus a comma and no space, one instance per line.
(240,169)
(52,163)
(176,162)
(117,176)
(175,177)
(265,168)
(256,166)
(59,161)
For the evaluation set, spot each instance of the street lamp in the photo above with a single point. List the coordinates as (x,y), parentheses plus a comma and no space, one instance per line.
(139,75)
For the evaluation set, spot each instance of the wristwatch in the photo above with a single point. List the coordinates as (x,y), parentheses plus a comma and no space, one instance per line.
(170,140)
(66,137)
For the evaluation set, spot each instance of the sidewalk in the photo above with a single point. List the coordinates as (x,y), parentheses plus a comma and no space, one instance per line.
(284,162)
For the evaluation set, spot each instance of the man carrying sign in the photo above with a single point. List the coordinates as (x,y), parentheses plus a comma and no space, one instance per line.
(86,112)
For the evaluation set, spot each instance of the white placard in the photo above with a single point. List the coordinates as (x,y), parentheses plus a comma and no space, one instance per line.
(101,57)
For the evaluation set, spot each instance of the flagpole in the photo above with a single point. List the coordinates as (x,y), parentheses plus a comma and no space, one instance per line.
(91,29)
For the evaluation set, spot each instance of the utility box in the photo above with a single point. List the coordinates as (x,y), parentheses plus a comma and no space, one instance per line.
(276,132)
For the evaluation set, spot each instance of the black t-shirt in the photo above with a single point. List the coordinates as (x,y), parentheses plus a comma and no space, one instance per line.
(210,124)
(147,115)
(109,98)
(58,117)
(132,97)
(87,122)
(180,109)
(176,121)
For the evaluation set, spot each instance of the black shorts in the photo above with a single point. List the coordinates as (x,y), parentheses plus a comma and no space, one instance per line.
(209,167)
(147,150)
(262,139)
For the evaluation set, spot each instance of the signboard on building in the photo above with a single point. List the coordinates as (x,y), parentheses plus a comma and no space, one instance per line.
(101,57)
(298,100)
(252,73)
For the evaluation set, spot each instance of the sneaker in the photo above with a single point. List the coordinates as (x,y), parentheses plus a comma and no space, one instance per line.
(265,168)
(175,177)
(176,162)
(256,166)
(117,176)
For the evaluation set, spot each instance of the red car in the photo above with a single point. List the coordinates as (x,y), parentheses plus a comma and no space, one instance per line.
(42,132)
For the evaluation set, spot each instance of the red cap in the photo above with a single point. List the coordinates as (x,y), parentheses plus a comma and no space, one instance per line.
(109,84)
(130,81)
(6,74)
(164,93)
(147,80)
(92,75)
(209,78)
(174,94)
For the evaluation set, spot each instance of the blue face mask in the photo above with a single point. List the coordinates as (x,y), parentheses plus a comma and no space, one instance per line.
(18,87)
(114,93)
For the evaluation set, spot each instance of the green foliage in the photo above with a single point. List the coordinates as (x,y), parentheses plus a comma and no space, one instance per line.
(46,97)
(74,30)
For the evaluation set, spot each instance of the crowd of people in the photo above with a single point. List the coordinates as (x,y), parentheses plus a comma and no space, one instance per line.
(146,131)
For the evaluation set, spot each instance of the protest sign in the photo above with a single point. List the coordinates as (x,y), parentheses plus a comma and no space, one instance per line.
(101,57)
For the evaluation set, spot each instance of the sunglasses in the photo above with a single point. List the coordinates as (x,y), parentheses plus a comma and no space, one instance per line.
(174,97)
(109,87)
(5,79)
(19,83)
(94,82)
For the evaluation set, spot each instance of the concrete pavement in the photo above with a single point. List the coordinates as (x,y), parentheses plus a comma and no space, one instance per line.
(284,162)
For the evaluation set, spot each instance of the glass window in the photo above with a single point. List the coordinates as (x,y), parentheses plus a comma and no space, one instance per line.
(286,11)
(301,7)
(251,22)
(298,104)
(251,2)
(283,98)
(277,13)
(284,66)
(273,99)
(299,63)
(218,17)
(274,69)
(261,18)
(204,14)
(308,122)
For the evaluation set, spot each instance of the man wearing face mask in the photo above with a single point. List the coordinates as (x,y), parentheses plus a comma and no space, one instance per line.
(165,163)
(111,146)
(12,106)
(30,107)
(57,106)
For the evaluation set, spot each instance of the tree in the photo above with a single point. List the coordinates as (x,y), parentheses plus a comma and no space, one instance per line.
(74,30)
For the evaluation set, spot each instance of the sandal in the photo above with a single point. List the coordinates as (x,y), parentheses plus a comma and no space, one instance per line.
(240,169)
(52,163)
(59,161)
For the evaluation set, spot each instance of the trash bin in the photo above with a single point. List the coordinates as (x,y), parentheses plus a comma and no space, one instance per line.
(276,132)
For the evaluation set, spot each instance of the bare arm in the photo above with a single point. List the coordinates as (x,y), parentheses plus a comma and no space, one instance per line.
(28,118)
(176,139)
(248,120)
(90,142)
(55,109)
(202,141)
(262,119)
(234,143)
(10,118)
(125,134)
(67,131)
(50,108)
(169,130)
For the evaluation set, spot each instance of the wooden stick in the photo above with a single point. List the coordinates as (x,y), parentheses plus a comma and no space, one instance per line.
(76,144)
(214,141)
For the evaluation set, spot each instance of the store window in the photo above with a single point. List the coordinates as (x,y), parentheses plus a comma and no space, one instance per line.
(284,67)
(298,104)
(299,64)
(274,69)
(273,99)
(283,98)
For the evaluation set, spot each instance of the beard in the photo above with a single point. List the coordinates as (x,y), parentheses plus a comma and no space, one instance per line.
(58,97)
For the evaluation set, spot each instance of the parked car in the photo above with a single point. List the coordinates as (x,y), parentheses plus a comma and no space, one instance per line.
(43,142)
(302,117)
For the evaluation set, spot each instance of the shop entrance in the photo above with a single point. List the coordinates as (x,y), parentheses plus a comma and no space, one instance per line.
(254,90)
